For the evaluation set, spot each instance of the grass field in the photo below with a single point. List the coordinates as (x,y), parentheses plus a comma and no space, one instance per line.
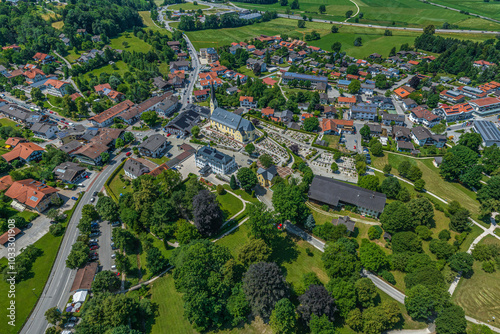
(373,39)
(479,295)
(333,141)
(159,161)
(134,43)
(402,13)
(122,68)
(242,193)
(58,25)
(230,204)
(433,182)
(148,22)
(187,6)
(7,122)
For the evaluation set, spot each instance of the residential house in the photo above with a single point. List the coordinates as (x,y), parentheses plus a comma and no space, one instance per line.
(154,146)
(324,190)
(69,172)
(404,146)
(485,106)
(400,133)
(91,153)
(336,126)
(456,112)
(402,93)
(314,80)
(44,130)
(483,64)
(367,89)
(12,142)
(284,116)
(330,111)
(375,129)
(133,168)
(363,111)
(201,95)
(71,147)
(472,92)
(252,63)
(25,152)
(346,101)
(453,96)
(393,119)
(232,90)
(422,136)
(343,84)
(465,80)
(266,176)
(56,87)
(43,58)
(347,222)
(161,84)
(382,102)
(409,104)
(420,115)
(247,102)
(182,65)
(31,194)
(106,117)
(34,75)
(16,113)
(209,160)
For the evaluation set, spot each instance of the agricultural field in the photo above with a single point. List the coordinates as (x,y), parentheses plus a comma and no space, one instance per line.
(479,294)
(488,9)
(187,6)
(373,39)
(410,13)
(132,43)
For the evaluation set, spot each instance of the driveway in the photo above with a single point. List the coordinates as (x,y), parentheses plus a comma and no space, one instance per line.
(39,228)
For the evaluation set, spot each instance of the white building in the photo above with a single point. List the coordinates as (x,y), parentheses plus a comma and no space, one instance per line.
(209,160)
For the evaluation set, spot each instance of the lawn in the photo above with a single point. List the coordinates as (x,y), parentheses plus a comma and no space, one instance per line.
(187,6)
(148,22)
(117,185)
(230,204)
(133,43)
(449,191)
(488,9)
(159,161)
(7,122)
(122,68)
(242,193)
(58,25)
(333,141)
(479,295)
(373,39)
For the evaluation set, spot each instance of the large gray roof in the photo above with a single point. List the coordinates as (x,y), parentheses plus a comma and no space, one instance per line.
(487,130)
(231,120)
(153,142)
(212,156)
(330,191)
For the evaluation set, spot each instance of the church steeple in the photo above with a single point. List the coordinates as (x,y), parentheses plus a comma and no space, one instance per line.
(213,99)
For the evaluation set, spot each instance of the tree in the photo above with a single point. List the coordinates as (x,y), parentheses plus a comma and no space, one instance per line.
(421,210)
(406,242)
(462,262)
(288,201)
(266,160)
(336,46)
(78,256)
(264,286)
(429,30)
(358,41)
(387,169)
(355,320)
(322,9)
(53,315)
(233,184)
(471,140)
(106,281)
(380,318)
(396,217)
(419,302)
(471,178)
(365,132)
(441,248)
(261,222)
(104,157)
(366,292)
(334,167)
(310,222)
(414,173)
(374,232)
(391,187)
(310,124)
(295,4)
(186,232)
(419,185)
(247,178)
(316,300)
(128,137)
(372,256)
(354,86)
(254,251)
(208,216)
(376,149)
(119,143)
(56,229)
(301,24)
(237,304)
(150,117)
(459,221)
(283,318)
(335,29)
(457,159)
(348,14)
(321,325)
(107,208)
(451,321)
(340,259)
(370,182)
(155,261)
(404,168)
(423,232)
(195,131)
(250,148)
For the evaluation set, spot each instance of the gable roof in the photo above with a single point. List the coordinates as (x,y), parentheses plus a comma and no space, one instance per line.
(23,150)
(231,120)
(29,192)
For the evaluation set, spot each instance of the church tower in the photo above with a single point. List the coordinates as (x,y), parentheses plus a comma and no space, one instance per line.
(213,100)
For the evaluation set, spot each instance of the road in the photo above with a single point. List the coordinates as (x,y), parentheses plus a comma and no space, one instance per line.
(56,291)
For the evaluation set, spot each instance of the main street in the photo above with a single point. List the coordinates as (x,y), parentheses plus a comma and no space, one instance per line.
(56,291)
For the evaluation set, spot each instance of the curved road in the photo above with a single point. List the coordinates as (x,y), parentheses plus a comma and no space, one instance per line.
(354,14)
(56,290)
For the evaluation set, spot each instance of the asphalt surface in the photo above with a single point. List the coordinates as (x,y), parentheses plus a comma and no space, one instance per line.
(56,291)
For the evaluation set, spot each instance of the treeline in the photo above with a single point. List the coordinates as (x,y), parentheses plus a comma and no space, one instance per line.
(189,23)
(457,56)
(262,2)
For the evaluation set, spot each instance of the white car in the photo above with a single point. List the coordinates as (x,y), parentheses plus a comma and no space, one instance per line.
(113,267)
(113,255)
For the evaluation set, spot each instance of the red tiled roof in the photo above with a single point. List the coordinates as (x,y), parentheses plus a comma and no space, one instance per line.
(6,182)
(344,99)
(249,98)
(112,112)
(29,192)
(55,83)
(5,237)
(486,101)
(22,150)
(267,111)
(99,88)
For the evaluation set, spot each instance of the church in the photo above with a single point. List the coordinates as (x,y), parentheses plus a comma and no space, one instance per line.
(232,125)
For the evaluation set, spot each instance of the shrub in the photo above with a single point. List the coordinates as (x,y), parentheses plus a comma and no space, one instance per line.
(389,277)
(488,266)
(374,232)
(444,235)
(423,232)
(56,230)
(220,190)
(325,208)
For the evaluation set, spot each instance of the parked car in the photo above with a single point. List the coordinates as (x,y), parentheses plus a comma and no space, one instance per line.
(113,255)
(74,198)
(116,224)
(93,244)
(123,159)
(169,155)
(53,222)
(113,267)
(95,234)
(92,199)
(169,134)
(94,240)
(128,154)
(95,193)
(94,247)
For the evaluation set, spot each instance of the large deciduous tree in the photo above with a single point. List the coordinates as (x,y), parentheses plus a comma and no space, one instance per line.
(283,318)
(316,300)
(264,286)
(396,217)
(247,178)
(288,201)
(451,321)
(208,217)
